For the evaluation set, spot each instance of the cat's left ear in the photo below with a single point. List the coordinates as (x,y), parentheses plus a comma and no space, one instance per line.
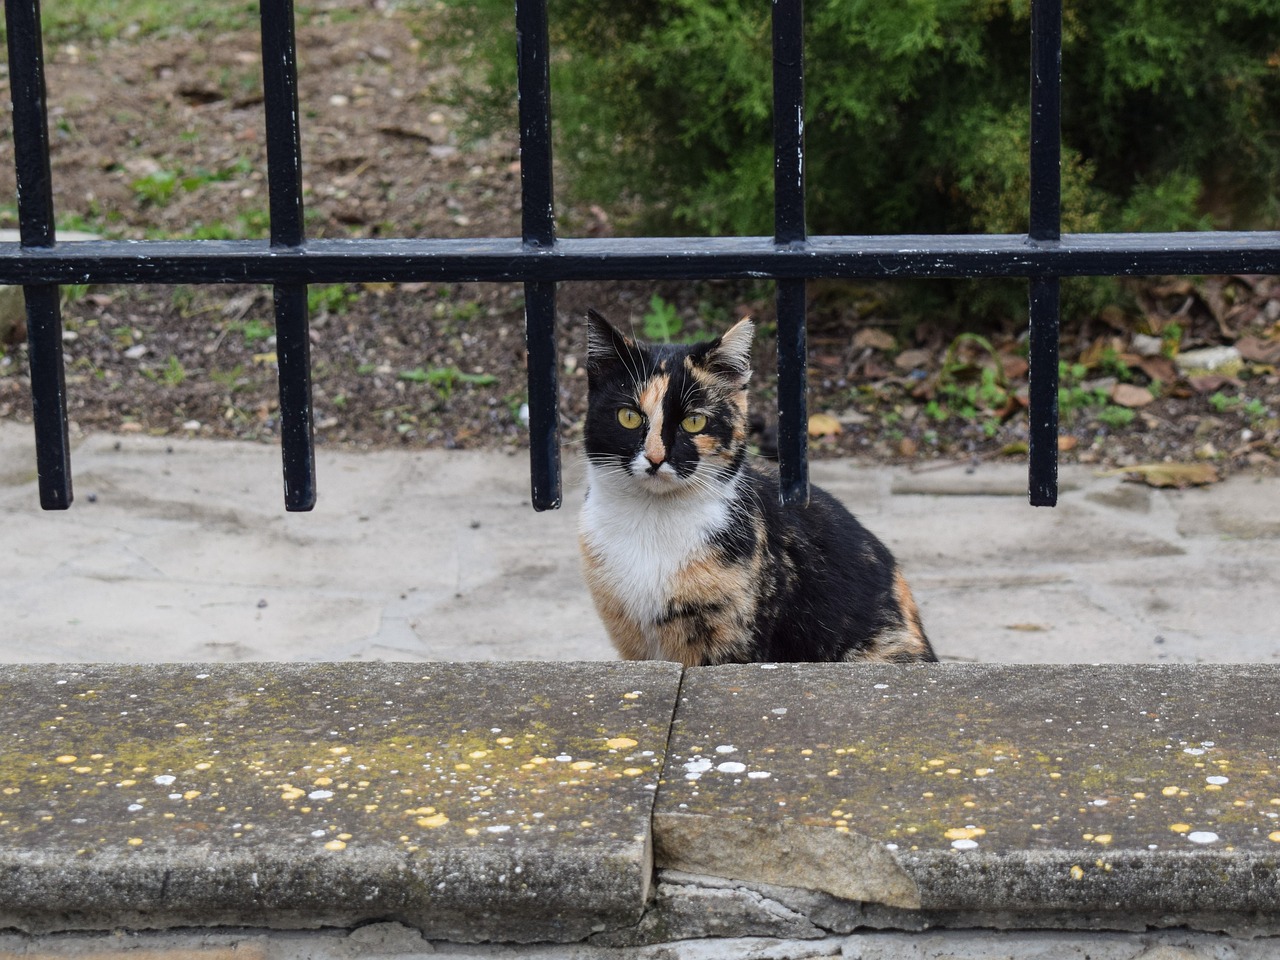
(605,344)
(729,355)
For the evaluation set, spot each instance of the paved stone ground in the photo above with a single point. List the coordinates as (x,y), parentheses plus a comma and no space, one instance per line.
(181,550)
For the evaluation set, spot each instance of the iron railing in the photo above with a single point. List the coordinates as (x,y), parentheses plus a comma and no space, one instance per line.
(539,260)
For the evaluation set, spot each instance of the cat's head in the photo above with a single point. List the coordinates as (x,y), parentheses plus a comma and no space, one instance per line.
(668,418)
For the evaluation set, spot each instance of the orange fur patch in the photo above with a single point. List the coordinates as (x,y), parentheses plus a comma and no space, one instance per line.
(903,642)
(650,402)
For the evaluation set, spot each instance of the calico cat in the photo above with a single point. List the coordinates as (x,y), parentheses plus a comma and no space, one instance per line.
(686,550)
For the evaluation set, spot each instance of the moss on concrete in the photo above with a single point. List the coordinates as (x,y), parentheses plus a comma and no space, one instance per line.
(963,770)
(425,767)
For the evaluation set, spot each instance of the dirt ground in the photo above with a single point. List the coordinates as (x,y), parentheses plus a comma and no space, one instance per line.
(162,137)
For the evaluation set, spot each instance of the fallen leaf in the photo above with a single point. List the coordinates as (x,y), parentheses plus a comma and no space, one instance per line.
(824,425)
(912,359)
(874,338)
(1159,368)
(1177,475)
(1067,442)
(1212,382)
(1257,350)
(1015,367)
(1127,395)
(907,447)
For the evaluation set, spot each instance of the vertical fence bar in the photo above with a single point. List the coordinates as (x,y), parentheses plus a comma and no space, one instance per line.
(36,229)
(284,182)
(538,230)
(789,228)
(1045,225)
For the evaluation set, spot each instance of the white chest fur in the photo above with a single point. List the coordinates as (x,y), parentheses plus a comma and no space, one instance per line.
(641,540)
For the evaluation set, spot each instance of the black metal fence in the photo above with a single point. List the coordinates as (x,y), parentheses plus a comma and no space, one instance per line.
(288,261)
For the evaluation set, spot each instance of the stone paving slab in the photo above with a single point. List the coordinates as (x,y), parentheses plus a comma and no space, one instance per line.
(1148,791)
(180,550)
(471,801)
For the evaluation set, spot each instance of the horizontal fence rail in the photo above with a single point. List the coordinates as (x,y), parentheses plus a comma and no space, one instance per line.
(539,259)
(648,258)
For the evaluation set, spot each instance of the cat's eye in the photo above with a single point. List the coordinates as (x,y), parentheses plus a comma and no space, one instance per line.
(694,423)
(630,418)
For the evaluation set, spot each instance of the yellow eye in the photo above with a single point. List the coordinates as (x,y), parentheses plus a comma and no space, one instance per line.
(630,418)
(694,423)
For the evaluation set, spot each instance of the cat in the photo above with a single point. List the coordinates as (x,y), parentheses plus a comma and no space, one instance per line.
(687,552)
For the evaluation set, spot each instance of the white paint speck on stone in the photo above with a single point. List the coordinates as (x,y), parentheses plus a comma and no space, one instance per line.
(165,779)
(1202,836)
(964,844)
(731,766)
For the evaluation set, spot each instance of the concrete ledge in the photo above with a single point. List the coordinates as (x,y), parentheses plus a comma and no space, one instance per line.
(524,803)
(1034,794)
(471,801)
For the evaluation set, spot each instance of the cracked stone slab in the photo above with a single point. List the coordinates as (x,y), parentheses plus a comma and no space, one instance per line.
(471,801)
(1037,789)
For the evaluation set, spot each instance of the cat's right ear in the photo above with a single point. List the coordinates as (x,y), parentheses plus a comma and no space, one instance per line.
(605,345)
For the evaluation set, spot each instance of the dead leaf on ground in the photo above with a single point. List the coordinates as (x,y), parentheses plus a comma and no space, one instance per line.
(824,425)
(1015,367)
(1257,350)
(1066,442)
(1212,382)
(1159,368)
(1179,475)
(1127,395)
(912,359)
(874,338)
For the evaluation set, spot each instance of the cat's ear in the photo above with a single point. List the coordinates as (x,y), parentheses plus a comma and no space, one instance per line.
(729,355)
(605,345)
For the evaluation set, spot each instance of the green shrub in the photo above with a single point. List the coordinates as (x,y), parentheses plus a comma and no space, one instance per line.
(916,116)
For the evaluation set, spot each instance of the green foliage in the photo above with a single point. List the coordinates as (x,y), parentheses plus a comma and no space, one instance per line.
(329,298)
(1252,408)
(661,321)
(253,331)
(446,379)
(156,188)
(916,117)
(1116,417)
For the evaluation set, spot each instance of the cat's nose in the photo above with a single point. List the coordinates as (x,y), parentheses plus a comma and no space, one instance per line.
(654,464)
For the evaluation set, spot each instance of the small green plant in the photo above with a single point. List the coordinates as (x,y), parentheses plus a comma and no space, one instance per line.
(969,390)
(231,380)
(1253,409)
(1116,417)
(329,298)
(253,331)
(156,188)
(173,373)
(661,321)
(446,379)
(1073,396)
